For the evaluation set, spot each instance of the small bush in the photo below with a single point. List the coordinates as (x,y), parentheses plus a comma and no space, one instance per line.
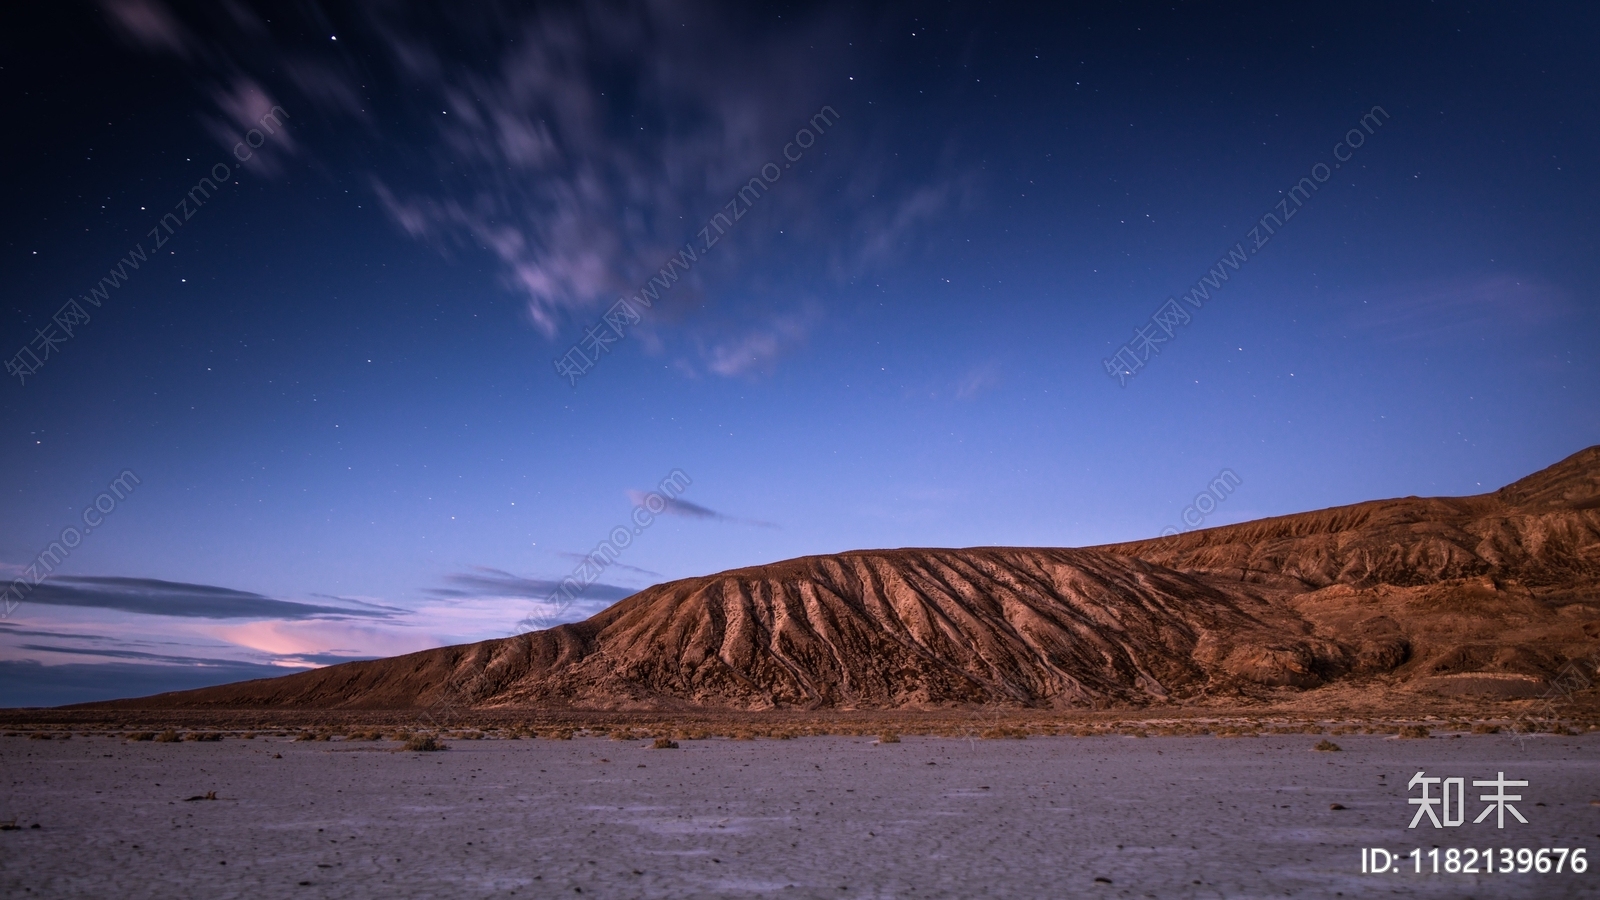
(203,736)
(1414,732)
(889,737)
(1000,732)
(142,736)
(424,743)
(1326,747)
(40,736)
(1485,728)
(664,743)
(168,737)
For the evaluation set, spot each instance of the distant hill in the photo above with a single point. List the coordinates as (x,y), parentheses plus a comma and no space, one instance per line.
(1485,595)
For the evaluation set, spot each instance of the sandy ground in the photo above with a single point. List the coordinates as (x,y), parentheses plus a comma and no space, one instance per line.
(812,817)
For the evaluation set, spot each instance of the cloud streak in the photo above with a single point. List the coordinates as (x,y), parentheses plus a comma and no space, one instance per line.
(677,506)
(578,146)
(152,597)
(485,582)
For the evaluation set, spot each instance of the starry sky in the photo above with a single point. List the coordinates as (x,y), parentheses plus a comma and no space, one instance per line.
(339,331)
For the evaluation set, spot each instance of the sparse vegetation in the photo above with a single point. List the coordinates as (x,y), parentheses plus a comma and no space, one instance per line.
(889,737)
(168,737)
(424,743)
(1003,732)
(1414,732)
(664,743)
(1327,746)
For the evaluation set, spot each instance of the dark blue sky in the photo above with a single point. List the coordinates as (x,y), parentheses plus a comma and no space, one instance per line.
(335,380)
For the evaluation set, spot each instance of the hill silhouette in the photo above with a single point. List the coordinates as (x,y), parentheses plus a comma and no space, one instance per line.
(1484,595)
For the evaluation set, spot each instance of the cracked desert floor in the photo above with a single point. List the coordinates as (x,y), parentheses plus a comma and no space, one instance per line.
(835,817)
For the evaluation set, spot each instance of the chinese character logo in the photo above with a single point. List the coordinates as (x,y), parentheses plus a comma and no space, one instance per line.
(1448,809)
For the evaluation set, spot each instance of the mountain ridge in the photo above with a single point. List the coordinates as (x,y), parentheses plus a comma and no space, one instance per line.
(1487,594)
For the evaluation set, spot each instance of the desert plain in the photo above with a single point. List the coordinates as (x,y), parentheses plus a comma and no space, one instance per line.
(1107,815)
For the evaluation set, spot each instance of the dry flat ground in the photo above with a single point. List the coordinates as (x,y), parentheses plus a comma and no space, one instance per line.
(836,817)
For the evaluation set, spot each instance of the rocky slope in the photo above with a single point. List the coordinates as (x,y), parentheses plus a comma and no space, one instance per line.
(1489,594)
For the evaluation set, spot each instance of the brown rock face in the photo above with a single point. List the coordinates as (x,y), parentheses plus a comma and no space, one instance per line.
(1544,529)
(1486,594)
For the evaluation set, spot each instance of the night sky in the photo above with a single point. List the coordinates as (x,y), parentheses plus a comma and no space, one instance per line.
(369,388)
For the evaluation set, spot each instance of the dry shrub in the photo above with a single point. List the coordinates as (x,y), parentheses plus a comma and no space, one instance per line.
(1326,746)
(424,743)
(40,736)
(1485,728)
(168,737)
(620,734)
(663,743)
(142,736)
(889,737)
(1003,732)
(559,734)
(1413,732)
(203,736)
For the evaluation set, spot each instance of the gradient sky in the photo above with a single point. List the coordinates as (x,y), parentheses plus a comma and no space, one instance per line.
(335,381)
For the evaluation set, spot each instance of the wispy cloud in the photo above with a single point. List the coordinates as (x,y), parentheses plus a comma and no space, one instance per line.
(584,150)
(319,642)
(1442,308)
(243,103)
(757,350)
(580,557)
(485,582)
(677,506)
(148,24)
(579,146)
(114,653)
(152,597)
(978,380)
